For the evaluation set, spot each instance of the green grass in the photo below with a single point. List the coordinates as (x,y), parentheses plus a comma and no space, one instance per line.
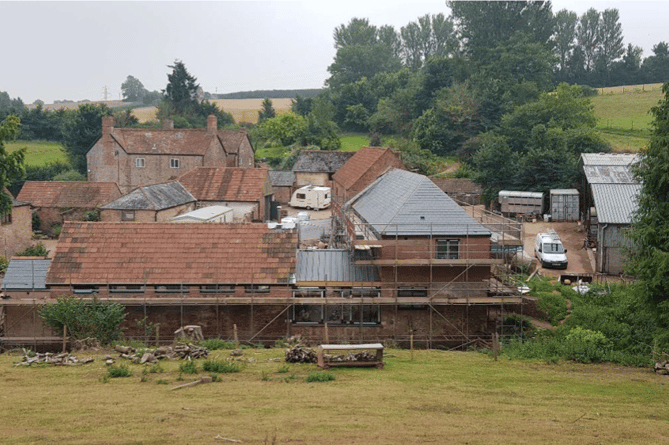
(353,142)
(39,152)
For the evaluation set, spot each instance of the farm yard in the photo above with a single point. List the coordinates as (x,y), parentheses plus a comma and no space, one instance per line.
(420,397)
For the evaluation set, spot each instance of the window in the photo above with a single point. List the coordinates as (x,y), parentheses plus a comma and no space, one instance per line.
(256,289)
(126,288)
(127,215)
(301,196)
(6,218)
(447,249)
(337,314)
(85,289)
(217,288)
(412,292)
(174,163)
(139,163)
(172,288)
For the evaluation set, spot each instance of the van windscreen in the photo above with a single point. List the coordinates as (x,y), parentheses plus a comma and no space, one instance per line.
(553,248)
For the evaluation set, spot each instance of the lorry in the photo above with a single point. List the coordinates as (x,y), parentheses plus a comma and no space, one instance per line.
(311,197)
(549,250)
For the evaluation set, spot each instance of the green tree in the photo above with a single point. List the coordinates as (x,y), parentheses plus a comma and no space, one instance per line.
(286,128)
(610,37)
(428,37)
(565,35)
(181,90)
(11,164)
(587,36)
(267,111)
(82,129)
(649,258)
(132,90)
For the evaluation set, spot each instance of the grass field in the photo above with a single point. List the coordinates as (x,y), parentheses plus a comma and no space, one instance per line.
(39,152)
(242,110)
(439,397)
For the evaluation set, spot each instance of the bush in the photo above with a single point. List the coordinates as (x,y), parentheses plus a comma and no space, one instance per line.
(35,250)
(188,367)
(320,377)
(118,371)
(215,343)
(85,318)
(4,262)
(222,367)
(55,230)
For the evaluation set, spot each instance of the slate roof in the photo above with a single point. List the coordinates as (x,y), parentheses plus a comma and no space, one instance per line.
(331,265)
(195,141)
(168,253)
(404,203)
(26,274)
(615,203)
(232,184)
(281,179)
(358,165)
(321,161)
(153,197)
(76,194)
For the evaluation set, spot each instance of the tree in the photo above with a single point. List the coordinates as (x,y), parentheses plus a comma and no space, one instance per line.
(267,111)
(181,90)
(133,90)
(429,37)
(81,130)
(587,36)
(286,128)
(649,257)
(565,34)
(11,164)
(610,37)
(656,67)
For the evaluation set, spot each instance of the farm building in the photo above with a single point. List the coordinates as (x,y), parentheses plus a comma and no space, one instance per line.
(317,167)
(151,203)
(133,157)
(59,201)
(16,228)
(282,185)
(246,190)
(610,200)
(211,214)
(362,169)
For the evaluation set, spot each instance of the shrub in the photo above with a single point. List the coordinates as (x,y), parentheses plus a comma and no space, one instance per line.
(56,229)
(85,318)
(118,371)
(188,367)
(156,369)
(215,343)
(35,250)
(4,262)
(320,377)
(283,369)
(223,367)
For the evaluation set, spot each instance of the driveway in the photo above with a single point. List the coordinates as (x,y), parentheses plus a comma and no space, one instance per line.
(572,235)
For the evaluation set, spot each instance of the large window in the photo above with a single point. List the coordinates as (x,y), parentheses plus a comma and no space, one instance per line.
(448,249)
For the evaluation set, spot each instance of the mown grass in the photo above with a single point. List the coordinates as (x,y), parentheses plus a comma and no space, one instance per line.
(39,152)
(439,397)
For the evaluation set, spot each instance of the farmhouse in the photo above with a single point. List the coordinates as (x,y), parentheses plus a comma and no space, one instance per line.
(15,228)
(59,201)
(610,200)
(362,169)
(317,167)
(151,203)
(246,190)
(133,157)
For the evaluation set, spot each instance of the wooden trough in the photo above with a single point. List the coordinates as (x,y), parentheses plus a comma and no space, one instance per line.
(326,362)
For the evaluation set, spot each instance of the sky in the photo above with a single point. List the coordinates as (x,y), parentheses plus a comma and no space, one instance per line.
(82,50)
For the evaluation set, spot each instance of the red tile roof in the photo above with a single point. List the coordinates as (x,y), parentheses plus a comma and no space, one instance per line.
(227,184)
(167,253)
(194,141)
(78,194)
(358,165)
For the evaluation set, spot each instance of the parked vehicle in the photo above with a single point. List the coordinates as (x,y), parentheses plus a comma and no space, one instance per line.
(311,197)
(549,250)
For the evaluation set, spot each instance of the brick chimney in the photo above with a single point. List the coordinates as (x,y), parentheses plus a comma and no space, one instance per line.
(212,124)
(168,124)
(107,125)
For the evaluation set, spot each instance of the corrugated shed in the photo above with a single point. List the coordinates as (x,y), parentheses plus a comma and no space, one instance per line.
(615,203)
(404,203)
(26,274)
(331,265)
(611,159)
(321,161)
(281,179)
(153,197)
(609,174)
(168,253)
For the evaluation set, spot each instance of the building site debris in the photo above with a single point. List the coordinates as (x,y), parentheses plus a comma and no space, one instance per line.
(300,354)
(662,367)
(86,344)
(53,359)
(191,332)
(184,351)
(205,379)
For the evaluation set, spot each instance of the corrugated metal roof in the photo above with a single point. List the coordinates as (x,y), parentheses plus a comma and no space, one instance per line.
(404,203)
(564,192)
(26,274)
(331,265)
(281,178)
(519,194)
(204,213)
(609,174)
(621,159)
(153,197)
(615,203)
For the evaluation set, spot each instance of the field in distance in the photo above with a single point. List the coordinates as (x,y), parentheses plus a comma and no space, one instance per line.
(242,110)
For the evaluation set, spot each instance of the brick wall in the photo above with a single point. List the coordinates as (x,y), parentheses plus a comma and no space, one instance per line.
(17,235)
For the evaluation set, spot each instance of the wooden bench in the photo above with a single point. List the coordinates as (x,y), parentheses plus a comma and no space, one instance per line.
(324,363)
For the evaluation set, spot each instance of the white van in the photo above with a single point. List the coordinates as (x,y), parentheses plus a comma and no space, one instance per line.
(311,197)
(549,250)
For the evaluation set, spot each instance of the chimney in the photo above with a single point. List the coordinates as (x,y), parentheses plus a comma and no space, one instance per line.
(168,124)
(212,124)
(107,125)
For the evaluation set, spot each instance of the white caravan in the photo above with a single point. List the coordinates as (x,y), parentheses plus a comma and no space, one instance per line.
(311,197)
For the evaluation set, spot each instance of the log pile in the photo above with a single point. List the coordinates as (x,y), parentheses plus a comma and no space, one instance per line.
(53,359)
(662,367)
(362,356)
(300,354)
(185,351)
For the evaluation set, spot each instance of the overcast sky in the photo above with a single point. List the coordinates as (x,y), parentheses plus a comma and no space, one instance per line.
(74,50)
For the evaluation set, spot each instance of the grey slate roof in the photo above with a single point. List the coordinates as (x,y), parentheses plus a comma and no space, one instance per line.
(404,203)
(153,197)
(281,179)
(26,274)
(331,265)
(321,161)
(615,203)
